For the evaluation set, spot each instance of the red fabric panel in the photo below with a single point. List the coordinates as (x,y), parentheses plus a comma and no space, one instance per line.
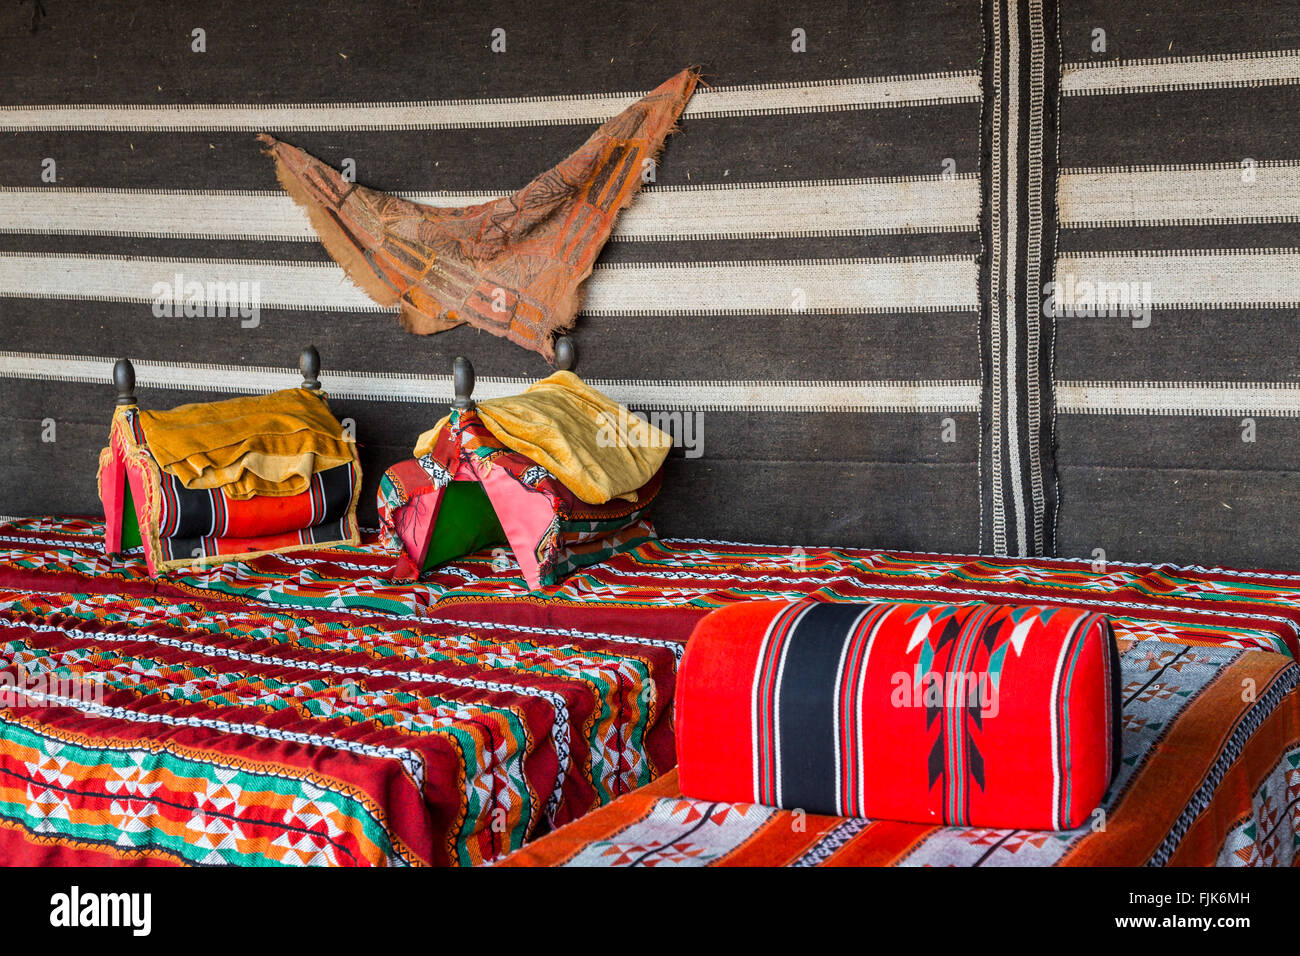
(976,714)
(251,517)
(714,694)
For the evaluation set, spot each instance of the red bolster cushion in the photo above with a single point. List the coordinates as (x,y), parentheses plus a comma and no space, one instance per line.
(961,715)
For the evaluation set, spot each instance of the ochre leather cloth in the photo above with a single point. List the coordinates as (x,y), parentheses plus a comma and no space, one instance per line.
(513,266)
(259,445)
(592,444)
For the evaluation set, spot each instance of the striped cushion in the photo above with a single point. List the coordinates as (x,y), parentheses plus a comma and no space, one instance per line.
(179,526)
(974,714)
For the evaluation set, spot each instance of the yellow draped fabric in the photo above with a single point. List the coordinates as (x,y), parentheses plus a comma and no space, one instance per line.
(591,443)
(261,445)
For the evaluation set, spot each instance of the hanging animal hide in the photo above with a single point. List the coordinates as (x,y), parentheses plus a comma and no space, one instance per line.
(514,266)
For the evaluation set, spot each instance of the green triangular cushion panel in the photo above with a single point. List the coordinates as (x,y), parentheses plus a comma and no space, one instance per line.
(466,523)
(130,522)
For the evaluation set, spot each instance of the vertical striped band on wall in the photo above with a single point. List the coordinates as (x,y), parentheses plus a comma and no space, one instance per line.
(1021,85)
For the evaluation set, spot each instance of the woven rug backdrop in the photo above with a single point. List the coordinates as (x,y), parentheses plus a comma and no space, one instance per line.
(830,292)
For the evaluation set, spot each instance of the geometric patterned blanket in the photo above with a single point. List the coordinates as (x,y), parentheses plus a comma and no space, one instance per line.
(305,709)
(1210,776)
(149,723)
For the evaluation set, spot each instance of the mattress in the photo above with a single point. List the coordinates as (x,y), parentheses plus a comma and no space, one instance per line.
(166,722)
(1210,776)
(305,709)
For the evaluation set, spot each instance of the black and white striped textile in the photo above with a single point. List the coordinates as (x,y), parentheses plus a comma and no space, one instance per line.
(1179,432)
(824,293)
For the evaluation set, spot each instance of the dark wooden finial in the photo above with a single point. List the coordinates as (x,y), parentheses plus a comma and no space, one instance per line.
(124,380)
(566,354)
(462,378)
(309,362)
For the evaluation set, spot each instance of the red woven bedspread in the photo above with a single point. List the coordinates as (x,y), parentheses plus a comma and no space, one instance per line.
(306,710)
(158,722)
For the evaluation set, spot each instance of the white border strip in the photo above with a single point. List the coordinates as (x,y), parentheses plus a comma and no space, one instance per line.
(751,100)
(1189,195)
(762,210)
(863,396)
(843,286)
(1268,68)
(1265,399)
(1193,279)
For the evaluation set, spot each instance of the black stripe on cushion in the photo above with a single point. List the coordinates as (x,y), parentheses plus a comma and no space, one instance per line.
(806,708)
